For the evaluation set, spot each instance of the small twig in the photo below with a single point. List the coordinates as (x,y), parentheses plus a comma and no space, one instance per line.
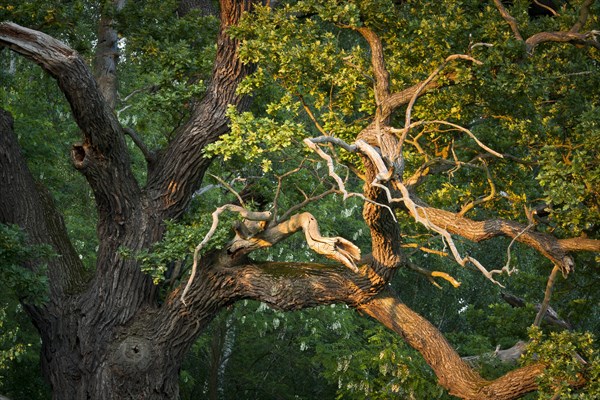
(307,201)
(433,274)
(547,8)
(484,199)
(404,131)
(231,189)
(312,116)
(506,267)
(423,84)
(279,184)
(424,249)
(547,295)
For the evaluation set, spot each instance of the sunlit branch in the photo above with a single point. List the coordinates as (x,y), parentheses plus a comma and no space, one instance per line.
(547,8)
(589,38)
(420,215)
(580,244)
(312,116)
(431,275)
(407,128)
(312,144)
(336,248)
(424,249)
(423,84)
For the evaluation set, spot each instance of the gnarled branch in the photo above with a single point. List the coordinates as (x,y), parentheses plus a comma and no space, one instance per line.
(102,157)
(453,372)
(478,231)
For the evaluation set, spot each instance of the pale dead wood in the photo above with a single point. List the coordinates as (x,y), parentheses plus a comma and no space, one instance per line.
(312,144)
(249,215)
(510,355)
(550,316)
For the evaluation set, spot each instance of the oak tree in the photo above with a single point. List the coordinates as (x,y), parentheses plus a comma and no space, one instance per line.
(352,86)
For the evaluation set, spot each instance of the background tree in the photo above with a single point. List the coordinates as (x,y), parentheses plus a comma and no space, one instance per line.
(472,108)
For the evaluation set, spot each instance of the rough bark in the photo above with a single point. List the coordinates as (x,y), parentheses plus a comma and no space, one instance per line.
(478,231)
(573,35)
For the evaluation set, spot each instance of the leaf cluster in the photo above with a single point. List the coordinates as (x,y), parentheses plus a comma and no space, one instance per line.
(569,357)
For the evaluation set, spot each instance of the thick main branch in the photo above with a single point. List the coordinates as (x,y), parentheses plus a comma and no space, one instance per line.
(452,371)
(180,168)
(29,205)
(102,157)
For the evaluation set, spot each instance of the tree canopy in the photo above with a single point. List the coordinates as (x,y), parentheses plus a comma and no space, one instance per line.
(175,176)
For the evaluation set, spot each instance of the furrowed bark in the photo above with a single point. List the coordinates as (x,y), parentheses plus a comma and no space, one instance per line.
(102,157)
(99,343)
(180,168)
(573,35)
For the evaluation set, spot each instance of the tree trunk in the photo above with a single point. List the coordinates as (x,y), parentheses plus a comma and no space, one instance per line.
(105,336)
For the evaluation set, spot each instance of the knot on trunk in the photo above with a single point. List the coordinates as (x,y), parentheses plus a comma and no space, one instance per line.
(133,355)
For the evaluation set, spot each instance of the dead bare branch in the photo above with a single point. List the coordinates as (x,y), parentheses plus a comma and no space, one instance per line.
(249,215)
(312,144)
